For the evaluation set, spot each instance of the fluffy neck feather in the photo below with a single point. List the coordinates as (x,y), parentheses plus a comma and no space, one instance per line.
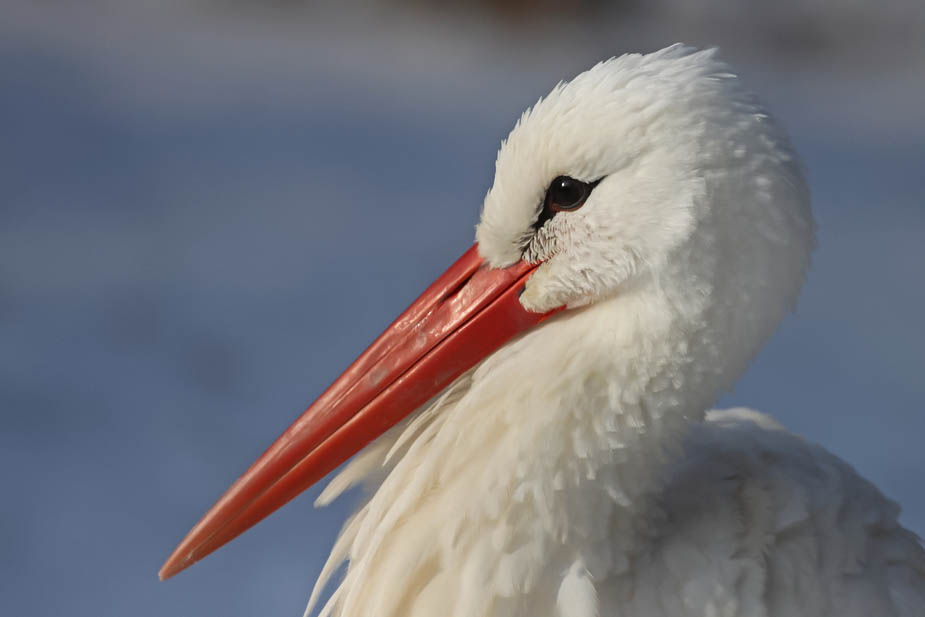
(511,484)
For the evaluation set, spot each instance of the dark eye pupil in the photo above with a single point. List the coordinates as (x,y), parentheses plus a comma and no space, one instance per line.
(566,193)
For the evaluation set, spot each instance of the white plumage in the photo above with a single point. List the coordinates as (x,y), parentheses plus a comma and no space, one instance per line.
(575,472)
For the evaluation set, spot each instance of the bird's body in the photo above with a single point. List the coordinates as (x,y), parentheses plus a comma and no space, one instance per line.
(757,521)
(647,229)
(748,520)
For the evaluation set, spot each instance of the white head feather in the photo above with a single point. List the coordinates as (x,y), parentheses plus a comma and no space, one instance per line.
(697,182)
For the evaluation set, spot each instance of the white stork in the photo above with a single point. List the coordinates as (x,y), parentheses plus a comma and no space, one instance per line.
(544,446)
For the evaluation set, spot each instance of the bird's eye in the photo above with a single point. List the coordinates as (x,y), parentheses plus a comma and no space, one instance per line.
(563,195)
(566,194)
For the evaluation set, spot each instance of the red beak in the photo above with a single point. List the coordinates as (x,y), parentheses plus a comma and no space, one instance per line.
(466,314)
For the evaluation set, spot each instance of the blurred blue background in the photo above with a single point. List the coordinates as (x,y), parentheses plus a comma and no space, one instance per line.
(206,211)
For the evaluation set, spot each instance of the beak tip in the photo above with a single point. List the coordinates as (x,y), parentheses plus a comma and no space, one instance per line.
(167,571)
(174,565)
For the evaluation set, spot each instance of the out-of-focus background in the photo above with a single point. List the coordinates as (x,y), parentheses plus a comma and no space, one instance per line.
(208,209)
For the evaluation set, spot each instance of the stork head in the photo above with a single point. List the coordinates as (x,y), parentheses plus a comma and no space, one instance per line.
(645,171)
(656,182)
(650,181)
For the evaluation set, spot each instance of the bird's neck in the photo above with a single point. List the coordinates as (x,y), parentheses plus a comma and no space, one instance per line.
(590,408)
(547,453)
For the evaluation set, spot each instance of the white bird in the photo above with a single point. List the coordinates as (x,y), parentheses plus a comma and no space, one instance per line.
(547,449)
